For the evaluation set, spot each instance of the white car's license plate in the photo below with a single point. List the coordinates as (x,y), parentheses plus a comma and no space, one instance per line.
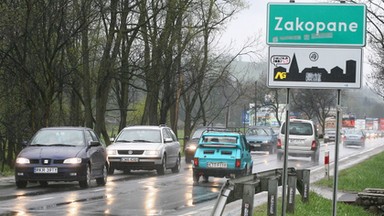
(130,159)
(216,165)
(45,170)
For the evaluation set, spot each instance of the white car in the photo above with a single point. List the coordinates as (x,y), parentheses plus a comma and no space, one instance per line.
(303,140)
(145,148)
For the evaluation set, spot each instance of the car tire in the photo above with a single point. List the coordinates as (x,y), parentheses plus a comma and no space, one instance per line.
(161,169)
(272,149)
(315,156)
(103,180)
(176,168)
(21,184)
(206,178)
(111,170)
(195,177)
(279,156)
(43,183)
(85,183)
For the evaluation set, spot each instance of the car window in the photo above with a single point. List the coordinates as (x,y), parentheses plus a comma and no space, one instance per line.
(139,135)
(197,133)
(219,139)
(166,134)
(171,134)
(58,137)
(257,132)
(298,128)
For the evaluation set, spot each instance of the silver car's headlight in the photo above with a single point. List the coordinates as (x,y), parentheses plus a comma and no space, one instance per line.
(22,160)
(72,161)
(265,141)
(111,152)
(152,152)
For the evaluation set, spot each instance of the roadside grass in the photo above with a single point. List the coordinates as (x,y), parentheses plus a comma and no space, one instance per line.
(317,206)
(6,171)
(367,174)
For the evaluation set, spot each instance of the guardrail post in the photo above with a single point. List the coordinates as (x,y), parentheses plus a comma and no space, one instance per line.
(303,177)
(291,193)
(248,195)
(272,196)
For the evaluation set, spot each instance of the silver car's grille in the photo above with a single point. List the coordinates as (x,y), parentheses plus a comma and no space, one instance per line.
(130,152)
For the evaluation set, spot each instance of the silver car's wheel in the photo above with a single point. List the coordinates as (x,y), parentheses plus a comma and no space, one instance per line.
(161,169)
(85,183)
(103,180)
(177,166)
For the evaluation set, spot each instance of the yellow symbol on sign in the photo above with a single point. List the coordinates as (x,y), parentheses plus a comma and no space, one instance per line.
(281,75)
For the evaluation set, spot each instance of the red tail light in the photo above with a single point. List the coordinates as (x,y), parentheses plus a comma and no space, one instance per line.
(279,143)
(196,162)
(314,144)
(238,163)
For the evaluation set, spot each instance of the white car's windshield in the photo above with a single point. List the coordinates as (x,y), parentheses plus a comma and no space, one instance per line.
(139,135)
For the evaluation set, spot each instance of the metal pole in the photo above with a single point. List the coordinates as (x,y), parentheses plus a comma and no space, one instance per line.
(335,175)
(255,103)
(285,172)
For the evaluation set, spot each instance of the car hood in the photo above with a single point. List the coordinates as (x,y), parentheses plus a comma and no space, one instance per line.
(135,146)
(51,152)
(258,138)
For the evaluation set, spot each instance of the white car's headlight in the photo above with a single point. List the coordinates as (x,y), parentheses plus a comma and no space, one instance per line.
(152,152)
(265,141)
(22,160)
(111,152)
(72,161)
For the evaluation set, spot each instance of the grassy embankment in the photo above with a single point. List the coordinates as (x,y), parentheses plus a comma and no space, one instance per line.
(367,174)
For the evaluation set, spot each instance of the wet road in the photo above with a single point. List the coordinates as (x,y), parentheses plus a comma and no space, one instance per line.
(142,192)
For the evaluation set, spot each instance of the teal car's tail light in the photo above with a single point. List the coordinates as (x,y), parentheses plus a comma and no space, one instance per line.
(196,162)
(238,163)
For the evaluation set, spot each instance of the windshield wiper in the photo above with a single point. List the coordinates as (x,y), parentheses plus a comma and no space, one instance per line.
(123,140)
(38,145)
(61,145)
(141,141)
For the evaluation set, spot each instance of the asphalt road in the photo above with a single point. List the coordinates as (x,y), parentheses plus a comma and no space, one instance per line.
(146,193)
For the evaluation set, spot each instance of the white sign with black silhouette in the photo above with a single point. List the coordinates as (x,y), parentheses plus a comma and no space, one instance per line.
(314,68)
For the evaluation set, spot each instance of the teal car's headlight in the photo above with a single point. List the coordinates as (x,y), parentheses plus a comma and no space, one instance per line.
(72,161)
(22,160)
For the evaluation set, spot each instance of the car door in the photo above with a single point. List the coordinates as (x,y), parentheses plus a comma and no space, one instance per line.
(96,153)
(246,154)
(171,146)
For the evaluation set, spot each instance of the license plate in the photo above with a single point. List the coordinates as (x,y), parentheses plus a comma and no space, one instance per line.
(257,145)
(130,159)
(45,170)
(216,165)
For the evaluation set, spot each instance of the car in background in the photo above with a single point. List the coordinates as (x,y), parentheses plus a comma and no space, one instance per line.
(262,138)
(62,154)
(145,147)
(303,140)
(222,154)
(191,144)
(329,135)
(354,137)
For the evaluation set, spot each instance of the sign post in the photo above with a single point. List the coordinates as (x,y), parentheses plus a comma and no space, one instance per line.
(310,47)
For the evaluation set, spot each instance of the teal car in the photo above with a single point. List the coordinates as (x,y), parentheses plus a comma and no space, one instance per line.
(222,153)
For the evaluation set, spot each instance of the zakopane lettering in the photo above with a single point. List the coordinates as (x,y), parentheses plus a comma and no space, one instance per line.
(298,25)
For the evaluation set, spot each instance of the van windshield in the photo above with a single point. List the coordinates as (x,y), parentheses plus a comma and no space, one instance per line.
(298,128)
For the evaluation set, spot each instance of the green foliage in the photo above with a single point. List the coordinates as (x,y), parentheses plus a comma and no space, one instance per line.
(360,176)
(317,206)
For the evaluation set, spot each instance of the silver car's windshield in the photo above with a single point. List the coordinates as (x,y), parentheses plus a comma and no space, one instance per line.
(58,138)
(139,135)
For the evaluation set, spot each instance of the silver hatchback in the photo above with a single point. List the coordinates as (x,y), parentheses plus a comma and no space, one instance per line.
(303,140)
(145,148)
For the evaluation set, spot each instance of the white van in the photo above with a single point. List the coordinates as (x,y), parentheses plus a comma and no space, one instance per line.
(303,140)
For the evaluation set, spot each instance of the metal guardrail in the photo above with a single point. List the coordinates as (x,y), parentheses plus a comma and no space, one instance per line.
(246,187)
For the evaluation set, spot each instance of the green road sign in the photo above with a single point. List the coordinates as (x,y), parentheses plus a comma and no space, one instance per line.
(316,24)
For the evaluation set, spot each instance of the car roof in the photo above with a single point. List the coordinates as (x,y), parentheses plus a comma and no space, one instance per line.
(65,128)
(301,120)
(145,127)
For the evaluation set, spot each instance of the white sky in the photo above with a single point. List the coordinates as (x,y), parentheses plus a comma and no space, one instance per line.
(251,21)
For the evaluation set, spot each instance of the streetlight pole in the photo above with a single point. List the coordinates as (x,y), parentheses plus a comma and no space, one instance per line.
(255,103)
